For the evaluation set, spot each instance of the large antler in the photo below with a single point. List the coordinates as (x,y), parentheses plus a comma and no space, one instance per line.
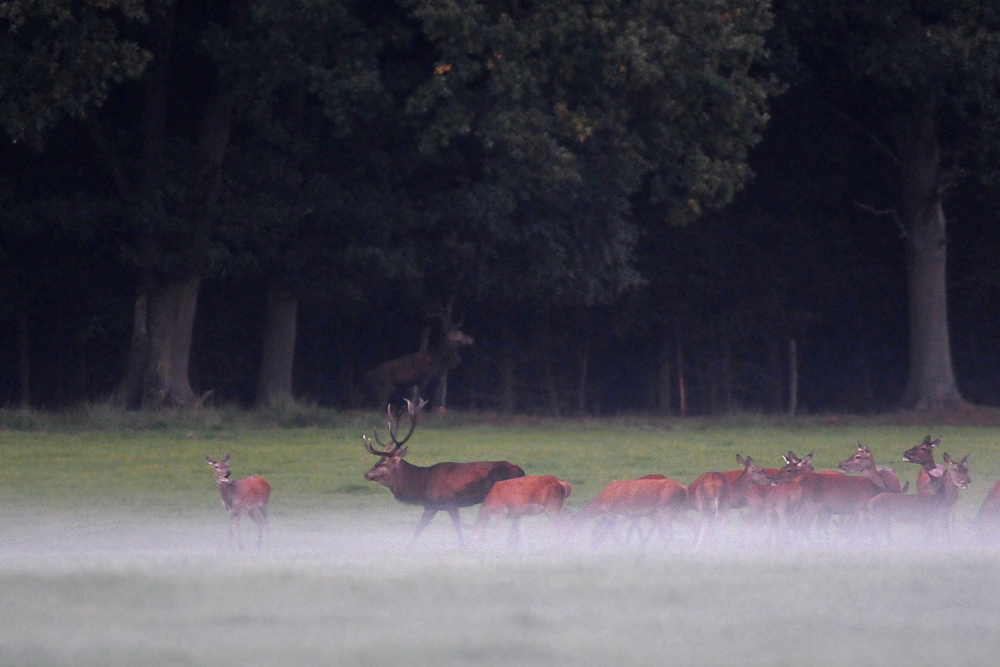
(392,420)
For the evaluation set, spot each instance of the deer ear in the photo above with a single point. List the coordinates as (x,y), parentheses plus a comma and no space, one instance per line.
(226,457)
(401,452)
(210,460)
(739,460)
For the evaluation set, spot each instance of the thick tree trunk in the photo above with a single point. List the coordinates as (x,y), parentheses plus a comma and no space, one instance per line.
(274,381)
(171,312)
(931,382)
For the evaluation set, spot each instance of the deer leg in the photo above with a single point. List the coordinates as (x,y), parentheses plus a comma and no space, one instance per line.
(259,518)
(425,519)
(514,537)
(234,527)
(457,522)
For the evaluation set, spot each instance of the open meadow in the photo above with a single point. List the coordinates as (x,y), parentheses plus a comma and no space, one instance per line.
(114,552)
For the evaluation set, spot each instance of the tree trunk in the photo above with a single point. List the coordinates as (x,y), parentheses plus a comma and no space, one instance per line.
(664,390)
(931,382)
(681,385)
(171,312)
(584,368)
(793,377)
(507,371)
(274,381)
(551,386)
(24,357)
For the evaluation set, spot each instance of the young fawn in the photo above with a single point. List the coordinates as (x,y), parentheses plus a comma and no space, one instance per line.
(242,496)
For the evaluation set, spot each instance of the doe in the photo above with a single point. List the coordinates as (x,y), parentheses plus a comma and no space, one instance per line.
(242,496)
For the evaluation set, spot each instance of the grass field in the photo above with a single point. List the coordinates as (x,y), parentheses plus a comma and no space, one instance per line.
(114,553)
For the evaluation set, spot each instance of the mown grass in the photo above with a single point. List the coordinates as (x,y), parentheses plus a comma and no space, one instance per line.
(115,552)
(156,460)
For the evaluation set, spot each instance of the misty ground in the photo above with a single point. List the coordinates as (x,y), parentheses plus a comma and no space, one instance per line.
(111,587)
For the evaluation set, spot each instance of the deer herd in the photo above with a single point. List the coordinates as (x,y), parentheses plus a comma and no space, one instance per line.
(786,506)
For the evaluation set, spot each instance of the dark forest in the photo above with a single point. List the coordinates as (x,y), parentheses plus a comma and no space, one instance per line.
(692,207)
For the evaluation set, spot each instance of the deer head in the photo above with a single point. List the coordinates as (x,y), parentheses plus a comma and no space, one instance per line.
(958,471)
(391,454)
(221,468)
(861,461)
(922,454)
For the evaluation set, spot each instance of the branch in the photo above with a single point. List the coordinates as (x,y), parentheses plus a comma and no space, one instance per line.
(854,123)
(887,212)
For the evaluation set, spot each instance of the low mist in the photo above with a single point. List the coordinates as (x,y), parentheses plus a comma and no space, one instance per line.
(112,587)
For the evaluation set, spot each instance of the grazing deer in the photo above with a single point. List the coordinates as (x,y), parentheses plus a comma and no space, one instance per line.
(930,477)
(654,497)
(883,476)
(932,511)
(417,369)
(242,496)
(519,497)
(712,495)
(443,486)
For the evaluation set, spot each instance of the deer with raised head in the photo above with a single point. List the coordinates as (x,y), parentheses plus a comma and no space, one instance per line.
(418,369)
(883,476)
(651,497)
(771,507)
(440,487)
(933,511)
(248,496)
(519,497)
(930,477)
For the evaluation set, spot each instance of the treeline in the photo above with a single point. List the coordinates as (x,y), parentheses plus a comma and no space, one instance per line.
(255,203)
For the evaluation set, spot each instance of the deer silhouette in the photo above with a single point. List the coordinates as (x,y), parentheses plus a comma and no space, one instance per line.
(419,369)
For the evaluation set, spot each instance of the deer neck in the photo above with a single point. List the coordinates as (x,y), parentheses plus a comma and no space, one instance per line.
(740,487)
(227,489)
(876,478)
(407,482)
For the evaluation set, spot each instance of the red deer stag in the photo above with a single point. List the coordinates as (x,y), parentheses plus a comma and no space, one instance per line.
(864,462)
(931,475)
(519,497)
(441,487)
(242,496)
(932,511)
(654,497)
(419,369)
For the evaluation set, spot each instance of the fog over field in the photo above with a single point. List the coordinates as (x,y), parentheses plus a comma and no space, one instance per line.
(110,587)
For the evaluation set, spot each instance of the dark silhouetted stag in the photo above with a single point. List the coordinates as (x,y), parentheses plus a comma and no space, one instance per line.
(420,368)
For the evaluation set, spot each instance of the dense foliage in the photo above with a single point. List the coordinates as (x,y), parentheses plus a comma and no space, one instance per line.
(233,196)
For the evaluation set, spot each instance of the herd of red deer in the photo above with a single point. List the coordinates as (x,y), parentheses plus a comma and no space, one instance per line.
(787,505)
